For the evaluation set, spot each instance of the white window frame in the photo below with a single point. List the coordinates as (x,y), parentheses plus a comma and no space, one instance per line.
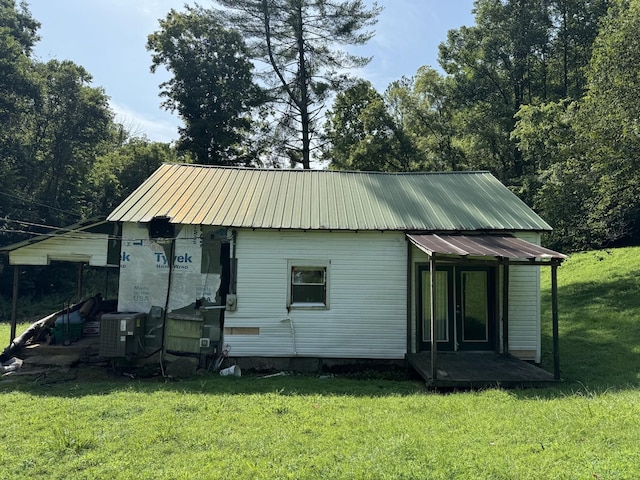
(310,265)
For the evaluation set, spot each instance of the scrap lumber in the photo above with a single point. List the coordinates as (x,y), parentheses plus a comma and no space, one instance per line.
(33,331)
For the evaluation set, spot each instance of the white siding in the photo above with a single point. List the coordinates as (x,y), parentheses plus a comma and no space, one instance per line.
(74,247)
(367,290)
(524,307)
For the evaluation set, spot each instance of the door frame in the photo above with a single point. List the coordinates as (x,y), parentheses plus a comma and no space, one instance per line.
(491,298)
(453,342)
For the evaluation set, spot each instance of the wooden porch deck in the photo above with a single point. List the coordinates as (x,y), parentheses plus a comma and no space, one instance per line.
(479,369)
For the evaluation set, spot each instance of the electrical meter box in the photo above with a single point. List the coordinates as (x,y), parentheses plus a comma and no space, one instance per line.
(122,334)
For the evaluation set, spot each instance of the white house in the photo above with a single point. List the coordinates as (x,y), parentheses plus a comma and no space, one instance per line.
(333,265)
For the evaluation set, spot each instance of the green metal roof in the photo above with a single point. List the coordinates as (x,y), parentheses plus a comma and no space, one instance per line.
(327,200)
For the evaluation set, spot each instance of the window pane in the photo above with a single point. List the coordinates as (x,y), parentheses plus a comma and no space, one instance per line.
(442,306)
(308,285)
(303,276)
(475,308)
(307,294)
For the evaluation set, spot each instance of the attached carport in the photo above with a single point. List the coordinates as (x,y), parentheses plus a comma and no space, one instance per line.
(93,242)
(500,249)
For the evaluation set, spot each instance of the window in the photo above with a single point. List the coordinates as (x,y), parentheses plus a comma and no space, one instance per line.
(308,286)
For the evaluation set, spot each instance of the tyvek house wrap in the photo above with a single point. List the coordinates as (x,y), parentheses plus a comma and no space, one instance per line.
(144,270)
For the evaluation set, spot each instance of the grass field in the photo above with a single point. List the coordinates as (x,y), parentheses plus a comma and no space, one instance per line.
(91,424)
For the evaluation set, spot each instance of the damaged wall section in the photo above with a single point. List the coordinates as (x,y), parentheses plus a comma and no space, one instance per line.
(193,263)
(145,264)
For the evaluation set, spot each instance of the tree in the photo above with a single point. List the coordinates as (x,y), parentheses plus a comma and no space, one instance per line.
(609,123)
(520,52)
(497,66)
(64,138)
(422,105)
(361,133)
(52,125)
(559,187)
(575,27)
(295,40)
(120,170)
(587,151)
(409,128)
(212,87)
(19,92)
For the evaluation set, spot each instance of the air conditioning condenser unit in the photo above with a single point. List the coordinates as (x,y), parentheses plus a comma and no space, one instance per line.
(122,334)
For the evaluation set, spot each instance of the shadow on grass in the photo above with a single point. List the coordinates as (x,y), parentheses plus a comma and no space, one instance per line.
(599,324)
(84,380)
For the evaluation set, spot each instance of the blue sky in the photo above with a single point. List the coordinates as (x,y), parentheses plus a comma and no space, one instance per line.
(108,37)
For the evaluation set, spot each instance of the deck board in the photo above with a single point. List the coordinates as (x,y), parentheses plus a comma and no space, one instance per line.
(479,369)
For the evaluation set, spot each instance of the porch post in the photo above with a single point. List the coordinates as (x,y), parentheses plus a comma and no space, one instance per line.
(409,295)
(14,304)
(505,307)
(79,281)
(434,339)
(554,320)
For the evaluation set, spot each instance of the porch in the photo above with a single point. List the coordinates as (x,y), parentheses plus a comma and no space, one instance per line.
(478,370)
(464,304)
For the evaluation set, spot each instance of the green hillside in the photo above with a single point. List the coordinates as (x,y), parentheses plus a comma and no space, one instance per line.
(599,303)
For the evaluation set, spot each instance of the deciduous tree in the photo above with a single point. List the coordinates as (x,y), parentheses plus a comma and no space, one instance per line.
(211,87)
(609,122)
(361,133)
(19,91)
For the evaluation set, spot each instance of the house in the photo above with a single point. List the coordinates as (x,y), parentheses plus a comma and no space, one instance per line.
(308,264)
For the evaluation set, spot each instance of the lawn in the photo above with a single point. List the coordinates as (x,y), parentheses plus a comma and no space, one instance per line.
(92,424)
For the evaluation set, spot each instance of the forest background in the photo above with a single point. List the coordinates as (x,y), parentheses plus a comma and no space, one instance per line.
(544,94)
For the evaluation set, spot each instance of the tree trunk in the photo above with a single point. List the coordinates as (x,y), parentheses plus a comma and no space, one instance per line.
(304,93)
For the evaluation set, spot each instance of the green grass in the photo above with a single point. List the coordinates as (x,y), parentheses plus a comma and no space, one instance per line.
(599,303)
(93,424)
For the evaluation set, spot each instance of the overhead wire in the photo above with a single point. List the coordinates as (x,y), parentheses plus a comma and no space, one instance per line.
(32,224)
(28,200)
(64,232)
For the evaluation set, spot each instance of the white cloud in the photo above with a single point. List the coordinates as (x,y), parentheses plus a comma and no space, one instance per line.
(160,128)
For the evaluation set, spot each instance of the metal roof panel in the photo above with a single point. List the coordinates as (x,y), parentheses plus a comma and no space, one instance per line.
(499,246)
(327,200)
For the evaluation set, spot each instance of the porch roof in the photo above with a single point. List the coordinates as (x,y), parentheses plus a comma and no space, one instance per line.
(497,246)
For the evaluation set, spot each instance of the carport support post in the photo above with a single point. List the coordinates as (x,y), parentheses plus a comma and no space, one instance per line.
(554,321)
(14,305)
(434,339)
(80,280)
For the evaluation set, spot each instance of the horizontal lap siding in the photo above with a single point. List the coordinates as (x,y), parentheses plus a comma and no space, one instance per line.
(90,247)
(524,306)
(367,295)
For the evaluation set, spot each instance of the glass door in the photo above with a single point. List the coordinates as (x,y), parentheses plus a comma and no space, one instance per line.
(444,308)
(475,308)
(465,308)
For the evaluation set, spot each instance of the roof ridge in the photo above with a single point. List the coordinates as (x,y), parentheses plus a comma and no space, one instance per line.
(299,170)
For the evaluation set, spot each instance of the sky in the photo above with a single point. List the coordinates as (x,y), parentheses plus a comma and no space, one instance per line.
(108,39)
